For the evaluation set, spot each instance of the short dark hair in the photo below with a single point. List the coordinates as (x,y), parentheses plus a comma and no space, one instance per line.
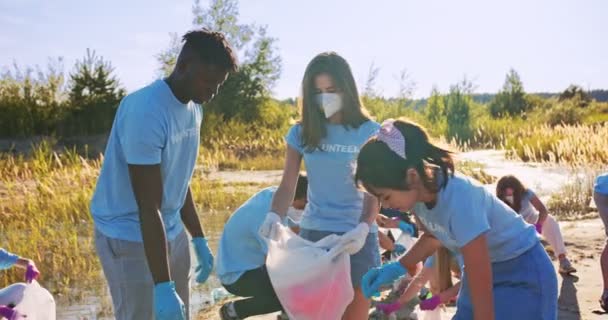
(212,48)
(301,187)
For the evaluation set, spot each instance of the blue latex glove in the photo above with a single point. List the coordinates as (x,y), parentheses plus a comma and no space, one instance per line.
(406,227)
(377,277)
(167,304)
(204,258)
(398,250)
(7,259)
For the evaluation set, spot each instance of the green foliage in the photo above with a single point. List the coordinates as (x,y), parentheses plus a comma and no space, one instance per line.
(576,94)
(457,111)
(37,102)
(565,113)
(31,101)
(511,100)
(94,95)
(435,107)
(236,144)
(246,91)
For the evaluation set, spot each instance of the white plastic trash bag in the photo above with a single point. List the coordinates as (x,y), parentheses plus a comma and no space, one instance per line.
(311,279)
(37,303)
(12,295)
(430,314)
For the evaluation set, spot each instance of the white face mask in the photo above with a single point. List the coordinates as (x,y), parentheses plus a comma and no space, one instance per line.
(509,199)
(330,102)
(294,214)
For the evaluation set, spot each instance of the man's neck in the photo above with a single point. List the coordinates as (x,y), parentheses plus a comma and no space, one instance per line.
(176,88)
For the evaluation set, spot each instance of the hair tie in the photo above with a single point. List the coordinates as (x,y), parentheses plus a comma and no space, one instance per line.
(392,137)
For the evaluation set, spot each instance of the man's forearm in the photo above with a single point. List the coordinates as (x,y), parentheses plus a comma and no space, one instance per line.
(190,217)
(155,244)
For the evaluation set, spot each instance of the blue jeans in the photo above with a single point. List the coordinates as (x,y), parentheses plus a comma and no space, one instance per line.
(524,288)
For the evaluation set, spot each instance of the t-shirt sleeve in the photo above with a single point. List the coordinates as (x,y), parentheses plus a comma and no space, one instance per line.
(601,184)
(470,218)
(373,128)
(259,205)
(294,138)
(529,194)
(430,262)
(143,136)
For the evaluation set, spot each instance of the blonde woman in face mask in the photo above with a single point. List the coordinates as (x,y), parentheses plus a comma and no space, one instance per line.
(523,200)
(333,127)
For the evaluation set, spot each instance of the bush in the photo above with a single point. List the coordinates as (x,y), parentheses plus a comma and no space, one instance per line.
(32,102)
(565,113)
(94,97)
(36,102)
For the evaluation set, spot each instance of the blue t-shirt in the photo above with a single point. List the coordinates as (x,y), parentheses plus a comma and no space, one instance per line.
(527,209)
(465,210)
(151,127)
(601,184)
(241,248)
(334,202)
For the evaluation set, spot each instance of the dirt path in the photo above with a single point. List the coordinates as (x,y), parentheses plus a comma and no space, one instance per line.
(578,296)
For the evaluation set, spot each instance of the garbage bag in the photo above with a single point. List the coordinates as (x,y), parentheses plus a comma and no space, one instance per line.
(37,303)
(311,279)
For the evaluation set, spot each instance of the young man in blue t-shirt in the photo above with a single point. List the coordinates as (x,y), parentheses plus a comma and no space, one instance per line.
(241,255)
(143,200)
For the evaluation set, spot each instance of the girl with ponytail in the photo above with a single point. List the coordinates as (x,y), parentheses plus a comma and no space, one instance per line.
(507,273)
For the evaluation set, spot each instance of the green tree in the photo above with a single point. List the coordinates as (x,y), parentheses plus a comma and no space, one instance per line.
(245,92)
(435,107)
(31,100)
(458,111)
(511,100)
(94,95)
(577,95)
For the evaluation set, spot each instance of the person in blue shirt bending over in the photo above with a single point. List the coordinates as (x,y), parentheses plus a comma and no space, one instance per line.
(143,200)
(504,263)
(241,255)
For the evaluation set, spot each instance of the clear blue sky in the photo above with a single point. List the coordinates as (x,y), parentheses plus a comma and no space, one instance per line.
(551,43)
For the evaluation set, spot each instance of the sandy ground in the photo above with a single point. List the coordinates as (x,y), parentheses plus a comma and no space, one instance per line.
(578,295)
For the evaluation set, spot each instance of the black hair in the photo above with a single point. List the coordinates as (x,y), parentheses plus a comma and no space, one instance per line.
(211,47)
(380,167)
